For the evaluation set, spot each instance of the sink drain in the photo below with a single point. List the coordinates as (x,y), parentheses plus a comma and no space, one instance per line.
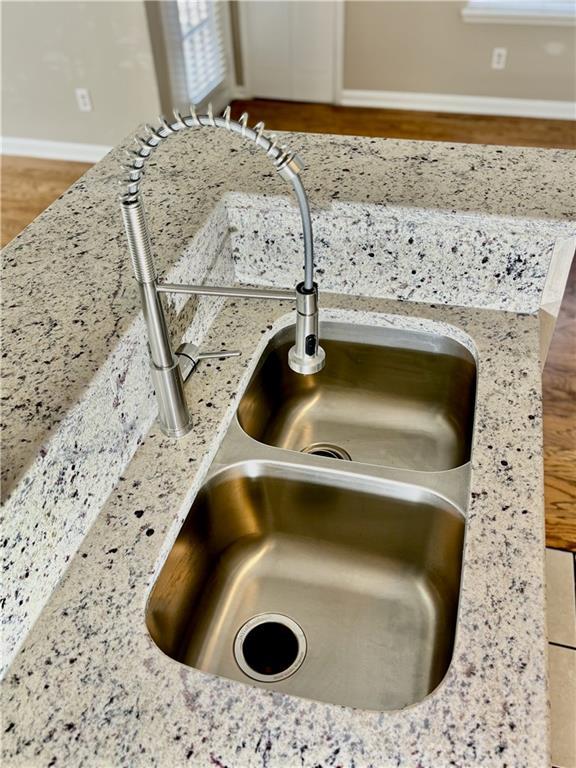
(269,647)
(328,450)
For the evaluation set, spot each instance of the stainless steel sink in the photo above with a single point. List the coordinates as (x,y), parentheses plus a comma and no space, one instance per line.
(328,579)
(390,397)
(370,575)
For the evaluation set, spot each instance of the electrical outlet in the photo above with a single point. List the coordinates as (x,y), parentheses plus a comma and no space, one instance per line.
(499,58)
(83,99)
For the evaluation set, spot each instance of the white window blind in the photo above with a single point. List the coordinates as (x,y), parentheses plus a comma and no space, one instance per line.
(202,46)
(550,12)
(195,45)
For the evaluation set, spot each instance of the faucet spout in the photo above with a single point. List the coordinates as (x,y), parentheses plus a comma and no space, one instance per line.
(305,357)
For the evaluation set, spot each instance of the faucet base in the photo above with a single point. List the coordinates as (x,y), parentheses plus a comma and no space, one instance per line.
(175,432)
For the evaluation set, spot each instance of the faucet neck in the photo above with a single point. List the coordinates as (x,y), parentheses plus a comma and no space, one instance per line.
(287,163)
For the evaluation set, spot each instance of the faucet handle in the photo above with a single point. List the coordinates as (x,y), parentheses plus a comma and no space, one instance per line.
(189,356)
(218,354)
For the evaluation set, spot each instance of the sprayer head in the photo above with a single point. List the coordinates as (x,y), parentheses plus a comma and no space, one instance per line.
(306,356)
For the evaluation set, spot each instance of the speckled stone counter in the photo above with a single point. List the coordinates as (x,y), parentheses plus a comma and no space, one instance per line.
(93,498)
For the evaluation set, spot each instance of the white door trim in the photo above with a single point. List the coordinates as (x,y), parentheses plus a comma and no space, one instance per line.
(339,46)
(244,91)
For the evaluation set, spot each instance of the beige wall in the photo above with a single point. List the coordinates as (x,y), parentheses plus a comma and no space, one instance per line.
(426,47)
(51,48)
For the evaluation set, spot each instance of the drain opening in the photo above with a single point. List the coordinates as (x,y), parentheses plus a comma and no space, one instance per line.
(328,450)
(270,647)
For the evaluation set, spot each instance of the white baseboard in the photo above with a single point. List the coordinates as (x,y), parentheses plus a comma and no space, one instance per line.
(470,105)
(54,150)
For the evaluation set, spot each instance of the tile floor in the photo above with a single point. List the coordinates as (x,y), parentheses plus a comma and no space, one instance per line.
(561,597)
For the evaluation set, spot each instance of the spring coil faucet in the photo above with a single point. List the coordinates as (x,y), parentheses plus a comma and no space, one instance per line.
(169,370)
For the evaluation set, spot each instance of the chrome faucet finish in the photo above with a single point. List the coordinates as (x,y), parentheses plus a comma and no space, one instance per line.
(170,370)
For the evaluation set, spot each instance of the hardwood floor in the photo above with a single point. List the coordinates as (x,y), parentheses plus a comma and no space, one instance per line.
(403,124)
(29,185)
(559,384)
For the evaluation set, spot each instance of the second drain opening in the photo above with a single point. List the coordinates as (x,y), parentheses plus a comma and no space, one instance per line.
(270,647)
(328,450)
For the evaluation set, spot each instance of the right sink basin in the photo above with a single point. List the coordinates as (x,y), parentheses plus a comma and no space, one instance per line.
(386,396)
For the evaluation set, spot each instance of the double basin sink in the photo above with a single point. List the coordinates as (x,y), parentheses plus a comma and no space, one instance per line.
(322,557)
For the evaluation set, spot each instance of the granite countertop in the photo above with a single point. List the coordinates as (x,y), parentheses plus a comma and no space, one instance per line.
(94,495)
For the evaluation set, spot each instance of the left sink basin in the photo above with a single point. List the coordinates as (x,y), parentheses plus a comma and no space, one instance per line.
(314,582)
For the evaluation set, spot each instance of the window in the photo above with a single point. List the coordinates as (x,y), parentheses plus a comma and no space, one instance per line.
(194,52)
(550,12)
(202,47)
